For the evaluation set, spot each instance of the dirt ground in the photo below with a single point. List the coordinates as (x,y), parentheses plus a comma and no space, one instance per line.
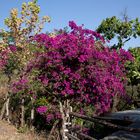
(9,132)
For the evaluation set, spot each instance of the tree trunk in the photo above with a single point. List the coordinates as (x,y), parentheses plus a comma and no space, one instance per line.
(32,114)
(3,111)
(115,103)
(22,112)
(8,99)
(32,119)
(7,109)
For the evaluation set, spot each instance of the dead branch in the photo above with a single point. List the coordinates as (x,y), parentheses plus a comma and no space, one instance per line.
(105,123)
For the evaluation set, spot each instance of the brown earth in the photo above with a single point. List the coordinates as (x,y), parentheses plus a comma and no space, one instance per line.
(9,132)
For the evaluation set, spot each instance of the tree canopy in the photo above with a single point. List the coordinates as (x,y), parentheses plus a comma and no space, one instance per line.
(123,31)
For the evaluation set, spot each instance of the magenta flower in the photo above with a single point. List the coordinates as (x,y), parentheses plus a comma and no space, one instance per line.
(41,109)
(74,65)
(49,118)
(13,48)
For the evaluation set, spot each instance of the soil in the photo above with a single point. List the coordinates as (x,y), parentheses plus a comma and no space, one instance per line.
(9,132)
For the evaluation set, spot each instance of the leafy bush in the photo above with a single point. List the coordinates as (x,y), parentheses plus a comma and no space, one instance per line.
(74,66)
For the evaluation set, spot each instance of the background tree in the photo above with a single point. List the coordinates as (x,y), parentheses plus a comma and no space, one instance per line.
(134,68)
(122,30)
(133,75)
(17,47)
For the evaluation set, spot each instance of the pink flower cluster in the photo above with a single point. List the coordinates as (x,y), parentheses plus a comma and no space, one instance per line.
(41,109)
(76,65)
(52,116)
(13,48)
(3,58)
(20,85)
(5,54)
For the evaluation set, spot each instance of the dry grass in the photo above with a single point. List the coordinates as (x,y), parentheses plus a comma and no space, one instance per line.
(9,132)
(3,91)
(3,86)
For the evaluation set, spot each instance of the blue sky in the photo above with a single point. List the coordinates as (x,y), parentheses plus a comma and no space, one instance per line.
(87,12)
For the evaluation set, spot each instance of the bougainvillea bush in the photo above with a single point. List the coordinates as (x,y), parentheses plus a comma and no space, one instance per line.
(75,66)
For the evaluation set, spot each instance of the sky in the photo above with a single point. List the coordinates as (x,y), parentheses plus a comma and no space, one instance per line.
(87,12)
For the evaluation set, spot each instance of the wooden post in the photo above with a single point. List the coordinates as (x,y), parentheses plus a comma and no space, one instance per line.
(22,112)
(3,111)
(7,109)
(115,103)
(8,99)
(32,114)
(64,129)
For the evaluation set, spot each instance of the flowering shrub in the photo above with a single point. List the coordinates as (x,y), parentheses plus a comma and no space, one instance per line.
(13,48)
(77,66)
(22,26)
(3,58)
(41,109)
(20,85)
(5,55)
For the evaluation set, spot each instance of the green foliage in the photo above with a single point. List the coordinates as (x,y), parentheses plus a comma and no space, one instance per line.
(113,27)
(12,66)
(35,1)
(22,25)
(41,101)
(24,129)
(133,87)
(134,67)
